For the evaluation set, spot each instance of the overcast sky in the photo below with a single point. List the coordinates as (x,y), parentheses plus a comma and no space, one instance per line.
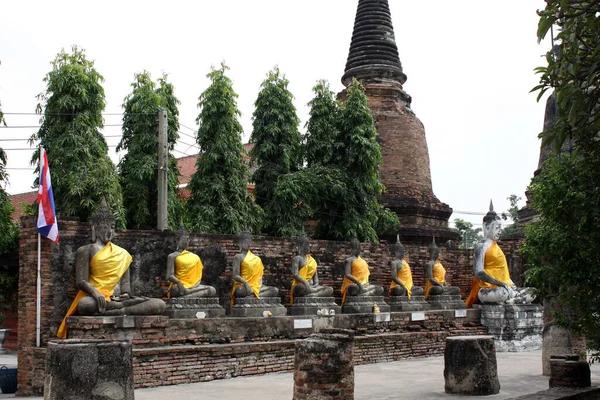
(469,65)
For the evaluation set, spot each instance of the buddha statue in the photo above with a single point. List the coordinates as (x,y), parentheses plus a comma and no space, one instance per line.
(402,281)
(356,275)
(184,270)
(436,275)
(491,281)
(306,276)
(99,267)
(248,272)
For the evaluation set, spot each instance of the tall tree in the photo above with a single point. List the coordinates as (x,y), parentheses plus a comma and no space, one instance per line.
(513,214)
(219,201)
(138,169)
(322,129)
(469,236)
(71,108)
(276,139)
(563,243)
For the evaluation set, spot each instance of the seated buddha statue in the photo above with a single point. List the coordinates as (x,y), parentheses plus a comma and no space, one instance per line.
(248,273)
(306,276)
(184,270)
(491,281)
(356,275)
(402,281)
(436,275)
(99,267)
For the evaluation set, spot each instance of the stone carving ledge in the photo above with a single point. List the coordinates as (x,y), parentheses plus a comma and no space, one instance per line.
(515,327)
(311,306)
(364,305)
(178,308)
(403,303)
(446,302)
(253,307)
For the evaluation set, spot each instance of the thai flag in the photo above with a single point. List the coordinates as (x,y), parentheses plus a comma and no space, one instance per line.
(46,223)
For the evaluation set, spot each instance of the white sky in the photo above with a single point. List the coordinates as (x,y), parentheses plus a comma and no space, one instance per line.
(469,65)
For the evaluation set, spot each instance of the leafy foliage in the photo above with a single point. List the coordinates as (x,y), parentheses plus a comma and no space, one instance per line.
(138,169)
(72,105)
(323,144)
(470,237)
(513,214)
(277,142)
(563,243)
(219,201)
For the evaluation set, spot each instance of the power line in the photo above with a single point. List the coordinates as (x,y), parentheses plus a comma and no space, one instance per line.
(39,126)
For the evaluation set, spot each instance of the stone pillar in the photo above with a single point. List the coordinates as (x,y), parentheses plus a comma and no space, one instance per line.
(569,371)
(89,369)
(324,366)
(470,366)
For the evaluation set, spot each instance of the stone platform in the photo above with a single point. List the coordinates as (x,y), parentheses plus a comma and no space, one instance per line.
(364,305)
(403,303)
(515,327)
(312,305)
(446,302)
(194,307)
(251,307)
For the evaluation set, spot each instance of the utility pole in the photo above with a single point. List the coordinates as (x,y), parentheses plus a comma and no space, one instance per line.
(163,161)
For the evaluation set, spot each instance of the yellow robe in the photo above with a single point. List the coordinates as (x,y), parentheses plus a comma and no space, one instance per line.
(495,265)
(188,270)
(439,274)
(251,270)
(106,269)
(360,271)
(405,276)
(306,273)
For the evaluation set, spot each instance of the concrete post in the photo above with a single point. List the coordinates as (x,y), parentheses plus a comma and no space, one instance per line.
(163,162)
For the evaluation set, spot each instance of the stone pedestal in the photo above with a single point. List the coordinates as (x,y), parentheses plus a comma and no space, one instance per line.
(194,307)
(403,303)
(515,327)
(89,370)
(446,302)
(569,371)
(364,305)
(324,366)
(253,307)
(470,366)
(312,305)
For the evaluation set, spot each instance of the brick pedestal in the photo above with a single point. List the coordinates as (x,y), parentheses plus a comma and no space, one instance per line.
(190,307)
(252,307)
(364,304)
(446,302)
(312,306)
(324,366)
(403,303)
(569,371)
(515,327)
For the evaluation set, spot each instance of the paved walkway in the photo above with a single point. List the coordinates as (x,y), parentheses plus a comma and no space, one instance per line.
(519,373)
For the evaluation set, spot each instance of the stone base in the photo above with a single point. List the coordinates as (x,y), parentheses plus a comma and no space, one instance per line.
(253,307)
(515,327)
(446,302)
(194,307)
(312,305)
(403,303)
(364,305)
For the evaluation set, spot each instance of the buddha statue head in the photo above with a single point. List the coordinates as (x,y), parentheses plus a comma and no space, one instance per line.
(355,246)
(244,240)
(398,248)
(103,224)
(303,245)
(434,251)
(491,224)
(183,237)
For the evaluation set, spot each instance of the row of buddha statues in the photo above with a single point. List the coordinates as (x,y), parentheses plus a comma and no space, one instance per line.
(102,265)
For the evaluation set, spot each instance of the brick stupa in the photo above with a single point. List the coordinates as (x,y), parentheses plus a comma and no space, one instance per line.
(374,61)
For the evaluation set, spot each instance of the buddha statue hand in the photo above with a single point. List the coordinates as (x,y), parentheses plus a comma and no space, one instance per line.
(100,301)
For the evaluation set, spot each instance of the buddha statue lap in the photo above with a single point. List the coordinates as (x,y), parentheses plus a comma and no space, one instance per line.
(404,296)
(100,267)
(491,281)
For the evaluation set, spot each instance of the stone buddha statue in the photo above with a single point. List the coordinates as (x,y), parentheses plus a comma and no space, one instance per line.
(248,272)
(184,270)
(491,281)
(402,281)
(356,275)
(306,276)
(436,275)
(99,267)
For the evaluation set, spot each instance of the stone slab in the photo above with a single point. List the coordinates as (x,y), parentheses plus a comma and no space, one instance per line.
(403,303)
(251,307)
(314,306)
(364,305)
(191,307)
(446,302)
(516,327)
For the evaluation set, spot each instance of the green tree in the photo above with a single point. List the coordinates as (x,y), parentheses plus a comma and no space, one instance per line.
(219,201)
(513,214)
(72,105)
(470,237)
(277,142)
(323,145)
(138,169)
(563,243)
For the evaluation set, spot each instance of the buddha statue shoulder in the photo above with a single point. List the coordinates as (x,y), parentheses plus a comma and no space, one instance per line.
(437,284)
(99,267)
(356,275)
(402,281)
(184,270)
(491,281)
(306,275)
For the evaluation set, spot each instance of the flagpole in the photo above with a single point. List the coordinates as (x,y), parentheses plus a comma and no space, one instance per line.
(39,292)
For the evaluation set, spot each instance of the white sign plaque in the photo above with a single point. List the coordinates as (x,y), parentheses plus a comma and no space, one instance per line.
(417,316)
(302,323)
(460,313)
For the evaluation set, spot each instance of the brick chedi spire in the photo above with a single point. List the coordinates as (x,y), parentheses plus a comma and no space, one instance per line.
(374,61)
